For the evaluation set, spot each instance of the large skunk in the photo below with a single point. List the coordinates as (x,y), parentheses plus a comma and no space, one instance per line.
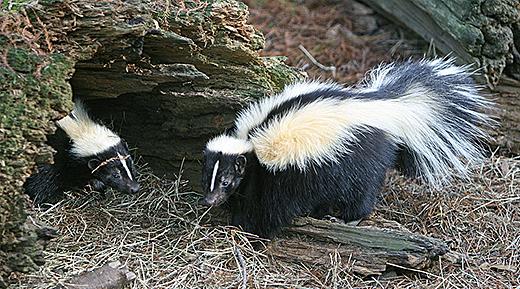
(319,146)
(94,156)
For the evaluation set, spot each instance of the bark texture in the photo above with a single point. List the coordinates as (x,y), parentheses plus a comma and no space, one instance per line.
(173,69)
(369,249)
(181,86)
(485,32)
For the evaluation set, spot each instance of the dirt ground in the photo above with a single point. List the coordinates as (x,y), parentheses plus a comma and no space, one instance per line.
(171,242)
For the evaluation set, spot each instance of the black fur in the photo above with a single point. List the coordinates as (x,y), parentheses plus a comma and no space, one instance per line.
(262,201)
(49,183)
(267,201)
(403,76)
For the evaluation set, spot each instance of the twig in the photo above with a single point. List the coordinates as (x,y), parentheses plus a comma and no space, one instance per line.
(315,62)
(45,33)
(432,51)
(242,264)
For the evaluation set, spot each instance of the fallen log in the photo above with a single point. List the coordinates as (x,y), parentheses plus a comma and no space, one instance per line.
(112,275)
(370,250)
(475,31)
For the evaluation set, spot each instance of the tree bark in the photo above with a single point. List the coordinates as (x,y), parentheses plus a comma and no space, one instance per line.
(181,86)
(370,250)
(33,90)
(485,32)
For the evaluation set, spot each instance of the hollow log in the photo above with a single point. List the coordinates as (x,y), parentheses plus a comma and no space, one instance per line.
(176,70)
(181,86)
(368,249)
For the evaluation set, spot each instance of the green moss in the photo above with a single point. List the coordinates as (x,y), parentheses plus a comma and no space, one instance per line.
(50,2)
(13,5)
(22,60)
(30,95)
(7,75)
(34,88)
(280,74)
(3,40)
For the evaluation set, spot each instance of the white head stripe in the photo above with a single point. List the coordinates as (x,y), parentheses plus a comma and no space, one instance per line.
(123,162)
(215,169)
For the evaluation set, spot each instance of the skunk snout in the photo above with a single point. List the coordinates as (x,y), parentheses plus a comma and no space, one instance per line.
(204,202)
(213,199)
(134,188)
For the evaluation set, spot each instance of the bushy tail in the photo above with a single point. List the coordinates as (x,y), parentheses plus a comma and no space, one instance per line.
(77,122)
(433,111)
(88,137)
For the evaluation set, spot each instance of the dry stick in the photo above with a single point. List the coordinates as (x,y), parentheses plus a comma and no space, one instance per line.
(242,264)
(315,62)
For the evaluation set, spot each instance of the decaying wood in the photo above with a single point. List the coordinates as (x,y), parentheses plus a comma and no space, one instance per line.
(370,250)
(179,83)
(475,31)
(507,134)
(169,71)
(109,276)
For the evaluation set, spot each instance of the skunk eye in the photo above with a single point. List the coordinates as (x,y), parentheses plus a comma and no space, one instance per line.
(116,175)
(225,183)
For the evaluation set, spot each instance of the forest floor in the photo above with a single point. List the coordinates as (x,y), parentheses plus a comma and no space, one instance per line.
(169,241)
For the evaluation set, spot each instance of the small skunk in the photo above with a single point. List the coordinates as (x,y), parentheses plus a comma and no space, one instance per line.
(93,156)
(318,147)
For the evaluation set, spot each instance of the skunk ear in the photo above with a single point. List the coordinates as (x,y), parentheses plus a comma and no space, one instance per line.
(240,163)
(93,163)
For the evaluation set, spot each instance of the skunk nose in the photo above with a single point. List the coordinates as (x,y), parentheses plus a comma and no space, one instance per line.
(213,199)
(134,188)
(204,202)
(208,201)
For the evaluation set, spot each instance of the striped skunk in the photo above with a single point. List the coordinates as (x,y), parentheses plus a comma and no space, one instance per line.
(318,147)
(93,157)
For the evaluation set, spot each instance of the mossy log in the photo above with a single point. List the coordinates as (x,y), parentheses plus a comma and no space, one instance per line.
(483,32)
(179,83)
(167,75)
(476,31)
(369,250)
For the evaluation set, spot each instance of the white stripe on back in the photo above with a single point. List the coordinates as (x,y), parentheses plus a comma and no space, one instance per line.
(88,137)
(215,169)
(123,162)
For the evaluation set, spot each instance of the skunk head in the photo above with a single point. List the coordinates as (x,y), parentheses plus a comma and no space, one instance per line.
(105,153)
(115,168)
(225,162)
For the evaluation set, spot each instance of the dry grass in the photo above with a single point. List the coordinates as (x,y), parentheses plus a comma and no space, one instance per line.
(478,218)
(171,242)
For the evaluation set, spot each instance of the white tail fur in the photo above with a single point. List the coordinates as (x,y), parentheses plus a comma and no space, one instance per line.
(88,137)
